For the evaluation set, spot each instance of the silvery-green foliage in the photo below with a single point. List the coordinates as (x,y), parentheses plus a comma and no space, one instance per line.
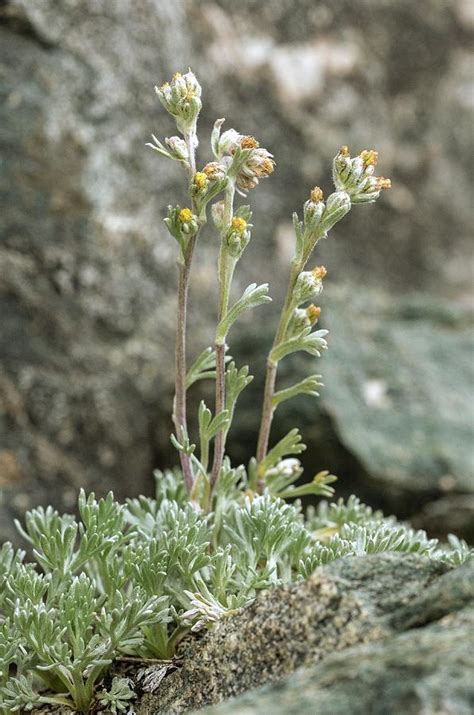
(117,698)
(134,579)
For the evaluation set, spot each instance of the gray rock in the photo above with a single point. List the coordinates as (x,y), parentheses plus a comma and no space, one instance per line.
(339,610)
(86,270)
(415,672)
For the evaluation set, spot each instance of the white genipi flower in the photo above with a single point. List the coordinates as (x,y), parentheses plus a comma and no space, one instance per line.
(356,176)
(308,284)
(182,98)
(243,156)
(288,467)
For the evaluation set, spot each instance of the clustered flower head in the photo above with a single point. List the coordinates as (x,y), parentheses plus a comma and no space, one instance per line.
(243,154)
(356,176)
(177,148)
(182,98)
(238,236)
(313,209)
(309,284)
(303,319)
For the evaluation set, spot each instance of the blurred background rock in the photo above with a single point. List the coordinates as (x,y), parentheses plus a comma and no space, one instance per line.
(87,271)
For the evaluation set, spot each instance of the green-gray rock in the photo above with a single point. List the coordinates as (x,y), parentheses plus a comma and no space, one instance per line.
(409,610)
(416,672)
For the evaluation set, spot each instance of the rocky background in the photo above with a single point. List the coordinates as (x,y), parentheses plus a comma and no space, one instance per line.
(87,270)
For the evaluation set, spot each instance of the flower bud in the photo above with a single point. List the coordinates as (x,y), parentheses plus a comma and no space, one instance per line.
(356,176)
(337,206)
(182,223)
(319,272)
(200,181)
(258,165)
(313,313)
(313,210)
(289,467)
(214,171)
(238,236)
(308,284)
(188,221)
(299,322)
(229,142)
(177,148)
(181,98)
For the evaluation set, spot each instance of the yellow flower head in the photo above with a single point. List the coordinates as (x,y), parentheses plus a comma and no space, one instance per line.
(316,195)
(383,183)
(369,157)
(185,215)
(249,142)
(319,272)
(214,170)
(313,312)
(239,224)
(200,180)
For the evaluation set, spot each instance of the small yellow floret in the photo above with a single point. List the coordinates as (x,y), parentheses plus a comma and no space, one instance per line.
(185,215)
(200,180)
(383,183)
(369,157)
(165,86)
(239,224)
(249,142)
(313,312)
(316,195)
(344,150)
(176,76)
(319,272)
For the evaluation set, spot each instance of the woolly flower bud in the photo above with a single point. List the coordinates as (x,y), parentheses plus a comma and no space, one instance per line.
(319,272)
(229,142)
(337,206)
(356,176)
(177,148)
(185,215)
(200,180)
(258,165)
(214,170)
(182,223)
(238,236)
(313,313)
(313,209)
(239,224)
(181,98)
(289,467)
(299,322)
(187,220)
(309,284)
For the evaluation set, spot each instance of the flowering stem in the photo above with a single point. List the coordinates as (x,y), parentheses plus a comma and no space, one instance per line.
(272,365)
(226,266)
(179,414)
(184,268)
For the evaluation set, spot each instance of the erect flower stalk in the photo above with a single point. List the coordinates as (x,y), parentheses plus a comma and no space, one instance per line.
(179,411)
(226,267)
(355,183)
(272,367)
(190,90)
